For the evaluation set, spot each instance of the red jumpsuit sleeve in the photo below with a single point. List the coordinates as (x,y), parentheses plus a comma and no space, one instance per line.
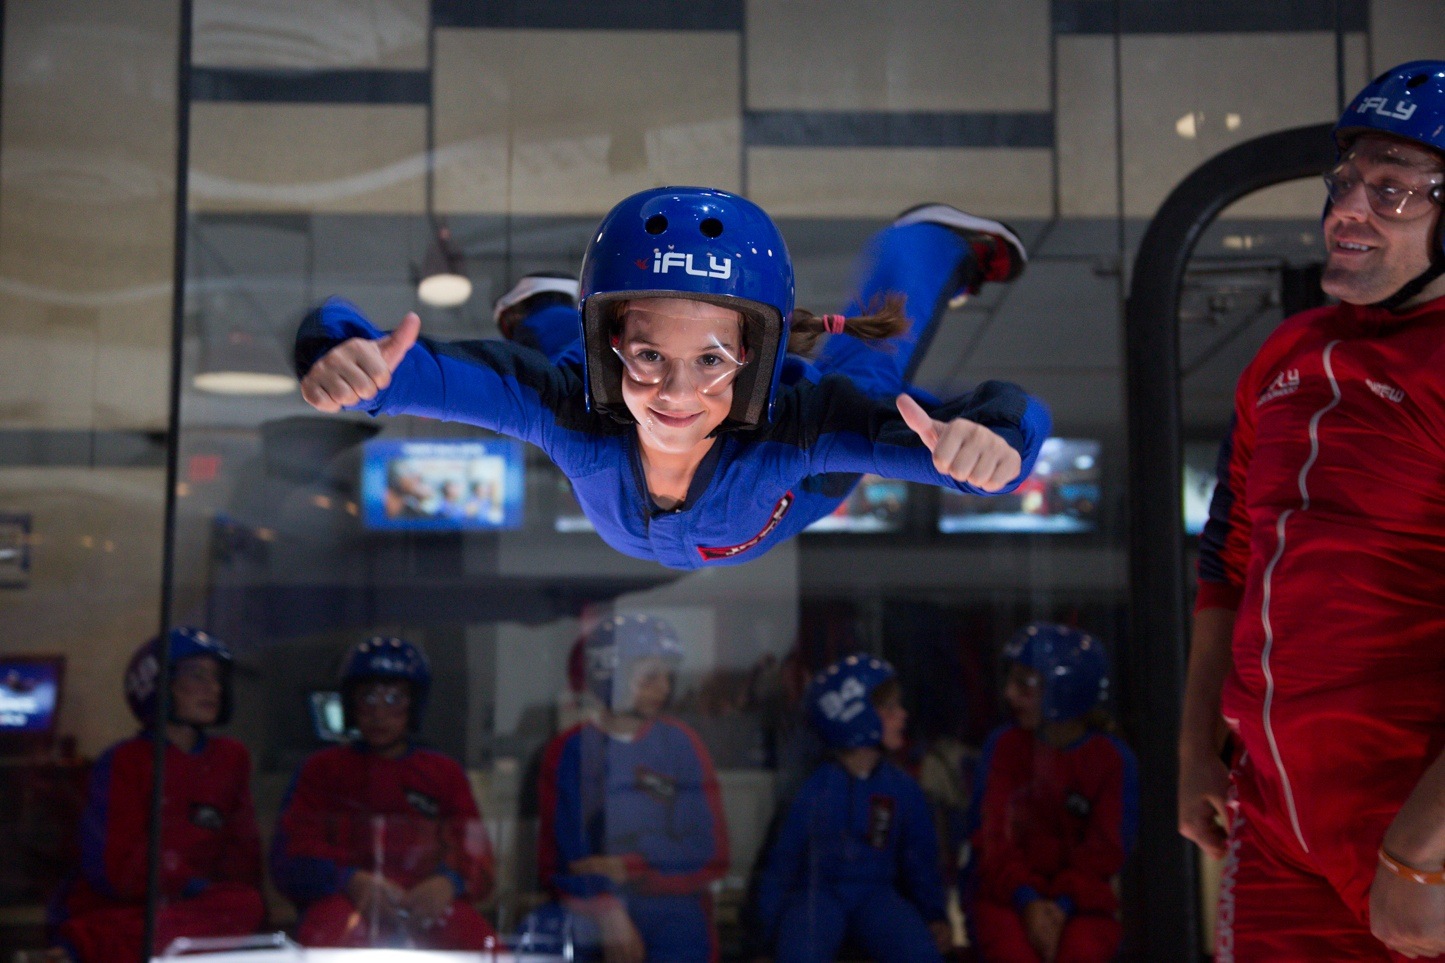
(240,860)
(1224,543)
(1003,865)
(467,849)
(1088,876)
(116,828)
(311,856)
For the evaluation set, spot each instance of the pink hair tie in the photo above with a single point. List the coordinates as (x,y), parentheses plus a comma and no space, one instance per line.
(833,323)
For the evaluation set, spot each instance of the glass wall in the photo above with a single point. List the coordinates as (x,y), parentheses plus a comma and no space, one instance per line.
(582,733)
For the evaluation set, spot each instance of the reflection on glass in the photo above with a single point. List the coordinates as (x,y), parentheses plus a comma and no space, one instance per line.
(1062,495)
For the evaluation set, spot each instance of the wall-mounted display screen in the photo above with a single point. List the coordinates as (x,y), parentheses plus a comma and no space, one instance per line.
(1062,495)
(1200,458)
(442,484)
(30,693)
(875,505)
(328,718)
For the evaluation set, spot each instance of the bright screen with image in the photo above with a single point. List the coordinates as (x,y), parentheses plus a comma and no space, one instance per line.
(1199,481)
(29,694)
(442,484)
(875,505)
(1062,495)
(328,718)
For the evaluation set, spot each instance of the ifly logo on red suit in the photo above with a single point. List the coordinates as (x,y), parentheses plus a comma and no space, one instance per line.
(665,261)
(1401,110)
(1284,383)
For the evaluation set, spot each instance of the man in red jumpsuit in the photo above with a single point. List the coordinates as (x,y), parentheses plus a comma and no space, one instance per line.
(1319,631)
(380,842)
(210,882)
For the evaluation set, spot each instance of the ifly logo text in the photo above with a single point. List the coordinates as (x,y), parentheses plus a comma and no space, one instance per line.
(1401,110)
(662,262)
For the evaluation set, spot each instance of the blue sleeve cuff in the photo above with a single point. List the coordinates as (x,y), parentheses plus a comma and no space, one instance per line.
(459,885)
(195,886)
(1066,904)
(1025,895)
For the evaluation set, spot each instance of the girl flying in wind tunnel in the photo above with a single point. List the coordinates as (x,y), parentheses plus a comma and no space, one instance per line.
(682,438)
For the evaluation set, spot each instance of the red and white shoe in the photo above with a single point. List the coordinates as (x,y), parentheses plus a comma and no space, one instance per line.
(997,250)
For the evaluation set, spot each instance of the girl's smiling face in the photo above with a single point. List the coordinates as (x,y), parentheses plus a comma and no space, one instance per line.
(680,359)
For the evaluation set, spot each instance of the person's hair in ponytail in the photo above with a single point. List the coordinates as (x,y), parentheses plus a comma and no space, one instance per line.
(884,320)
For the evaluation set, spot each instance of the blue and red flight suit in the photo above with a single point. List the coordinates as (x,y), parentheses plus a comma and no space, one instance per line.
(210,863)
(854,858)
(409,818)
(1054,823)
(652,799)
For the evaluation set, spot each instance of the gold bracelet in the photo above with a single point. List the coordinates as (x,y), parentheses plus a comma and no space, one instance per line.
(1414,875)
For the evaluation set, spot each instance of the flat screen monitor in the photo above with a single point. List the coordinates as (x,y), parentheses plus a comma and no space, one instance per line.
(447,484)
(1061,496)
(1199,479)
(876,505)
(29,701)
(328,719)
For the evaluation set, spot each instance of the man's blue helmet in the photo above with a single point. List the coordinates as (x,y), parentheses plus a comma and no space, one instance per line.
(695,243)
(382,658)
(1072,665)
(142,675)
(614,647)
(840,702)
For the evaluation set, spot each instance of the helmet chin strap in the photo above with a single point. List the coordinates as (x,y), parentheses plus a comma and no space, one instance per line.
(1396,300)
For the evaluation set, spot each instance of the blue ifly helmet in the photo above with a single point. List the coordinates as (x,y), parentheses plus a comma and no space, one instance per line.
(840,702)
(381,658)
(1408,102)
(142,675)
(699,244)
(1072,666)
(613,649)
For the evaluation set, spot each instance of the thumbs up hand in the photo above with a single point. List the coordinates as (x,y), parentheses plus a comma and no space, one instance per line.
(963,450)
(357,368)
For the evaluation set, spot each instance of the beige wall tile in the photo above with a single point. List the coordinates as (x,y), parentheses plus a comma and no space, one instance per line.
(552,122)
(1085,128)
(1187,98)
(320,34)
(336,158)
(1406,30)
(879,182)
(943,55)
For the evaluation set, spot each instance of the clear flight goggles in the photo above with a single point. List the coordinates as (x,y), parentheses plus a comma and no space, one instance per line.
(1395,192)
(709,372)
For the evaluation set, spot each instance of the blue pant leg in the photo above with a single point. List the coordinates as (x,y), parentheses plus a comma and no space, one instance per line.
(676,929)
(928,264)
(891,929)
(811,928)
(556,331)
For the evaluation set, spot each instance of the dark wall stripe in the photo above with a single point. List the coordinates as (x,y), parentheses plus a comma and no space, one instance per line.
(311,86)
(808,128)
(81,449)
(1209,16)
(590,14)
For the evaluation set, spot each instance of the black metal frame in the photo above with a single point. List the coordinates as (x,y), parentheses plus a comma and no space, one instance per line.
(1153,661)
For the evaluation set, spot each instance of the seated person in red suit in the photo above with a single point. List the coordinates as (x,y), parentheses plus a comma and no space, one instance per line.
(380,842)
(1058,805)
(210,861)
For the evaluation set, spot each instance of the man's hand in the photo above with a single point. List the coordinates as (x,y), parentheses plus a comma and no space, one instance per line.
(430,901)
(613,867)
(621,943)
(1407,917)
(374,895)
(1203,812)
(1044,923)
(963,450)
(357,368)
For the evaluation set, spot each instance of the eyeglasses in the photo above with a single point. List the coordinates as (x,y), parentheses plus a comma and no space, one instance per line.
(390,696)
(709,373)
(1391,197)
